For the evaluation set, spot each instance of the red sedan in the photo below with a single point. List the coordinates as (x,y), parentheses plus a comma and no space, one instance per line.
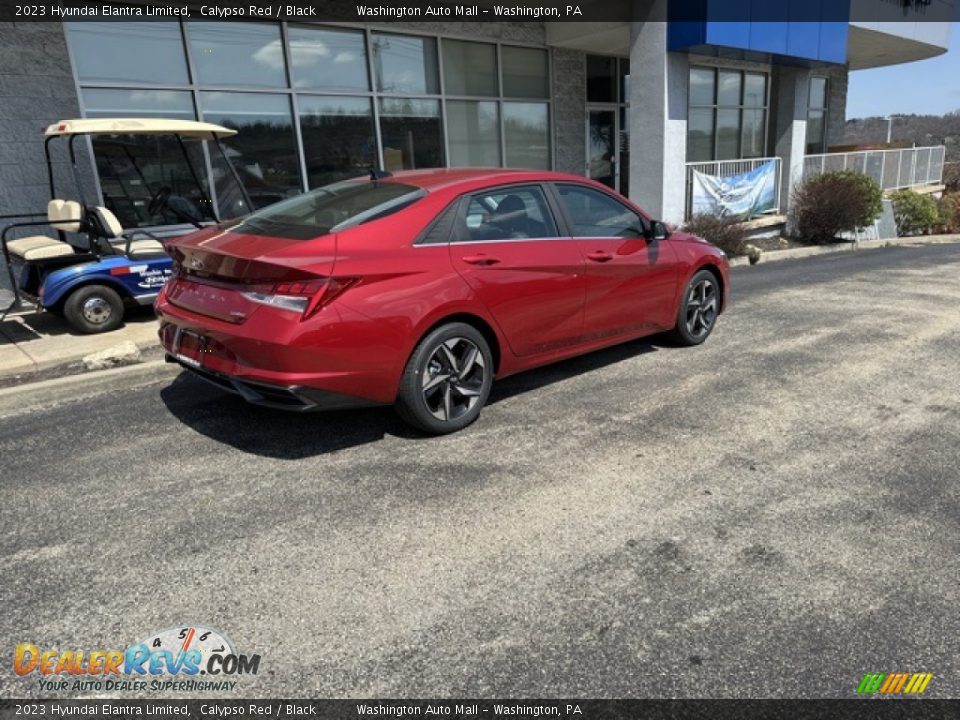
(418,289)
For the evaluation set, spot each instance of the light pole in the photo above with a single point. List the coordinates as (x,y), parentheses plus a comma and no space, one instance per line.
(889,119)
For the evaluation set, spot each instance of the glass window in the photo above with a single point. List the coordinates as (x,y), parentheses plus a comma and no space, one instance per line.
(526,135)
(727,115)
(818,93)
(263,150)
(817,116)
(728,87)
(134,169)
(754,122)
(755,90)
(237,53)
(815,132)
(701,86)
(596,214)
(338,138)
(508,214)
(331,208)
(469,68)
(700,135)
(624,82)
(110,102)
(525,72)
(405,64)
(411,133)
(133,52)
(601,78)
(473,133)
(328,59)
(728,134)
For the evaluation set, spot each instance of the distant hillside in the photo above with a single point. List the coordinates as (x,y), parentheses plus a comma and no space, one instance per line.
(917,129)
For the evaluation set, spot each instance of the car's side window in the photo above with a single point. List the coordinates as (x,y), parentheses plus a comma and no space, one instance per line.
(595,214)
(512,213)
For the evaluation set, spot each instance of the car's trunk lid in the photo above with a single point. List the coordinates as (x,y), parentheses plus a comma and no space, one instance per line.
(215,267)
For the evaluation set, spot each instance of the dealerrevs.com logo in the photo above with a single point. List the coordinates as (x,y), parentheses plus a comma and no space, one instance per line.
(173,660)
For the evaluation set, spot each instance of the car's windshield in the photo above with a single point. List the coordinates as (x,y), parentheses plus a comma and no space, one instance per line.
(330,208)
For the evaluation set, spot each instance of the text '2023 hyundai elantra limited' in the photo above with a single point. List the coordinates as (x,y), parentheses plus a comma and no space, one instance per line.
(420,288)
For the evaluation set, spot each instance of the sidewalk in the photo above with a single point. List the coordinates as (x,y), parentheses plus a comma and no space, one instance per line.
(814,250)
(31,342)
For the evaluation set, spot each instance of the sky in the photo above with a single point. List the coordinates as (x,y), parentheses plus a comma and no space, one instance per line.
(928,87)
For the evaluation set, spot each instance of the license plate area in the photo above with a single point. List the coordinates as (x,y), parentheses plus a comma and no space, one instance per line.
(189,347)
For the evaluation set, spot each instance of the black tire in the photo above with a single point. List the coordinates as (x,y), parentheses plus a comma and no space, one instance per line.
(443,391)
(94,309)
(694,325)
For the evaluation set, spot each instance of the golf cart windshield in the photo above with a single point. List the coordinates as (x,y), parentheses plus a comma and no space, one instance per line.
(156,171)
(136,169)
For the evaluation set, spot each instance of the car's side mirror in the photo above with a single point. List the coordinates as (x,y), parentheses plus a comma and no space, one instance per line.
(658,230)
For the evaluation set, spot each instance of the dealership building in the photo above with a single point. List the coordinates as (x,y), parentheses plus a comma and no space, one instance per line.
(637,105)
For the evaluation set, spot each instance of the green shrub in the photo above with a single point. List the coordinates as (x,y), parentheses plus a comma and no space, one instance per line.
(726,233)
(833,203)
(915,214)
(949,211)
(951,177)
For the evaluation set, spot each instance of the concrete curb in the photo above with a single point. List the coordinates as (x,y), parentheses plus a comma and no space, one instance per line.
(803,252)
(72,387)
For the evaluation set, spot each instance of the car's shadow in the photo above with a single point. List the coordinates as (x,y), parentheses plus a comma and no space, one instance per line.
(290,436)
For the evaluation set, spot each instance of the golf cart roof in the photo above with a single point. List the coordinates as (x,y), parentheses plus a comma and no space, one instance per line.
(137,126)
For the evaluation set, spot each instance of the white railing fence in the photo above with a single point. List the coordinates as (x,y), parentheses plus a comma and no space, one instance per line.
(892,169)
(729,168)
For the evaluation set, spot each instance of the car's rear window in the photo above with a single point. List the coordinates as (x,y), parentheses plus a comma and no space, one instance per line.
(330,208)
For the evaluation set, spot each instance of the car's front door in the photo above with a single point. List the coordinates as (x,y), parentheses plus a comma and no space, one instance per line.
(631,279)
(507,247)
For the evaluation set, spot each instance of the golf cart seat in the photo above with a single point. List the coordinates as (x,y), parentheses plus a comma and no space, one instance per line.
(63,215)
(105,225)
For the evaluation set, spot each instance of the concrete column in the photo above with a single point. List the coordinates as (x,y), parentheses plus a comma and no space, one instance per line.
(658,119)
(791,92)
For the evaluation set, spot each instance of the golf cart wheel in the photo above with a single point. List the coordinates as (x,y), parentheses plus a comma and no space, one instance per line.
(94,309)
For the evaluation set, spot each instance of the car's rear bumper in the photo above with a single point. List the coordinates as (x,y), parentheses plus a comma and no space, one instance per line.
(297,398)
(336,355)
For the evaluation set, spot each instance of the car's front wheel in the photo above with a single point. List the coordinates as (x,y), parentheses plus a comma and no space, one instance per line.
(699,308)
(447,380)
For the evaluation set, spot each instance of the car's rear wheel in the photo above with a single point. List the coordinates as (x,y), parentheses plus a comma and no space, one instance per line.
(699,308)
(447,380)
(94,309)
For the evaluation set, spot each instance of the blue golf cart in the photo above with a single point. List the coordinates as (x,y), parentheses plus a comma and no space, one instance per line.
(89,269)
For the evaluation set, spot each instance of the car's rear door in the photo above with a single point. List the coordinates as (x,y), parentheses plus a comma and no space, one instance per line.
(631,279)
(507,246)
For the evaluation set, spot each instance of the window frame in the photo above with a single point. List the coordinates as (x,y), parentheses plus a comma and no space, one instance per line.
(194,86)
(646,222)
(824,110)
(716,107)
(464,200)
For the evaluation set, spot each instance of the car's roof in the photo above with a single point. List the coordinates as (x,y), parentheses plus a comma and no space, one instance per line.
(437,178)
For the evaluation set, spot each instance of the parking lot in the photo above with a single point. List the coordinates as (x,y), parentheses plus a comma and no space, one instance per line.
(774,513)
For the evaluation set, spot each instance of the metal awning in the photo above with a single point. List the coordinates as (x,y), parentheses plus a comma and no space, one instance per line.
(137,126)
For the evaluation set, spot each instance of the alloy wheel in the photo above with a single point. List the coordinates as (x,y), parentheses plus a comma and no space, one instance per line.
(453,378)
(701,308)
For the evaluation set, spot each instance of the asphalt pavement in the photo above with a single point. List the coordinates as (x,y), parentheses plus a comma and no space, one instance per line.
(772,514)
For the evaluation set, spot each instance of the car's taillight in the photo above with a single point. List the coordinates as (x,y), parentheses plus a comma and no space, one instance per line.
(303,296)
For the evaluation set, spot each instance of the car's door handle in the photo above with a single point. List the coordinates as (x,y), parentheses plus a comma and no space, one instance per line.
(599,256)
(480,259)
